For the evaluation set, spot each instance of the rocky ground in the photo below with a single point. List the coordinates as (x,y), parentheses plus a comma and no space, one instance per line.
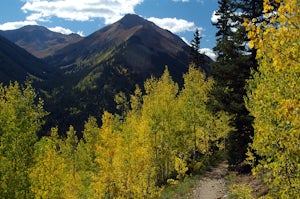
(214,184)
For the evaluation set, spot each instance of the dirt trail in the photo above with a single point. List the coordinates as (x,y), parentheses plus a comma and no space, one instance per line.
(212,185)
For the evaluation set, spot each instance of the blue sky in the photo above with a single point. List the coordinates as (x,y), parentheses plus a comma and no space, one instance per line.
(84,17)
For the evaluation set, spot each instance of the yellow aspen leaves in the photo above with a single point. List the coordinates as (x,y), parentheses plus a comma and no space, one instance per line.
(273,97)
(48,175)
(21,115)
(180,167)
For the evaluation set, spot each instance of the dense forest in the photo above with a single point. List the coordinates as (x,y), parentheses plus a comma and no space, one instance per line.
(246,108)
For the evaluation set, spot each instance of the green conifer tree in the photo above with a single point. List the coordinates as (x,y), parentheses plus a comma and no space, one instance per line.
(195,57)
(231,70)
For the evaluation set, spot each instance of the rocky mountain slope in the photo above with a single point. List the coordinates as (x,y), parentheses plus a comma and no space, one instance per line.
(133,42)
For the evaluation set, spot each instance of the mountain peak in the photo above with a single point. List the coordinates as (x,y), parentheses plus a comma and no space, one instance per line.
(132,20)
(34,28)
(133,42)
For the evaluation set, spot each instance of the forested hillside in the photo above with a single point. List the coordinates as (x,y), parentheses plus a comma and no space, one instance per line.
(246,109)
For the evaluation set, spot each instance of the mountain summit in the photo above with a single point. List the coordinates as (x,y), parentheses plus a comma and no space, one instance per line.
(133,42)
(132,20)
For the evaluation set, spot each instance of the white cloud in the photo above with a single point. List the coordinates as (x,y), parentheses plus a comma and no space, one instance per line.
(80,33)
(16,25)
(214,18)
(174,25)
(65,31)
(79,10)
(62,30)
(209,52)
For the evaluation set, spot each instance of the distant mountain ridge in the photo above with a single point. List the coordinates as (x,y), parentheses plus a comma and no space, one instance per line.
(139,45)
(38,40)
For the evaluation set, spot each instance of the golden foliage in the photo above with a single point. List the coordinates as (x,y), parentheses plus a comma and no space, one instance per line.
(274,97)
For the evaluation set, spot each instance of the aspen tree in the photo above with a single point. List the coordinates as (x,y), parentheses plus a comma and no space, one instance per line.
(48,175)
(202,130)
(273,97)
(86,155)
(159,110)
(107,149)
(20,120)
(137,158)
(68,150)
(193,99)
